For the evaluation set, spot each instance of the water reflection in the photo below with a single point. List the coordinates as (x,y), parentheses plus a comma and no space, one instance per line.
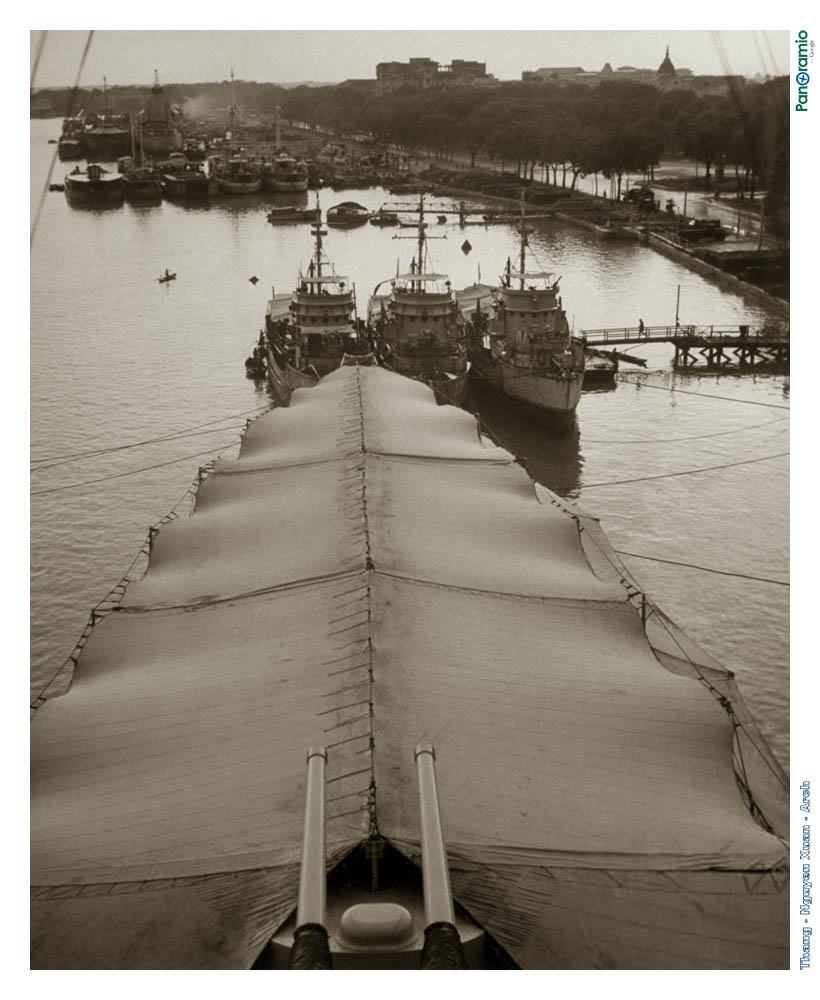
(551,457)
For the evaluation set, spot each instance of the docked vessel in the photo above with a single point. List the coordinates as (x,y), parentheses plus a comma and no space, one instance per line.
(378,649)
(183,179)
(293,213)
(160,133)
(108,136)
(312,331)
(523,347)
(233,172)
(289,174)
(71,144)
(236,174)
(419,327)
(107,139)
(347,215)
(94,186)
(143,182)
(384,217)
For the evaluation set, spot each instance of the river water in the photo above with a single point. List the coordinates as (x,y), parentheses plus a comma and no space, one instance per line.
(134,385)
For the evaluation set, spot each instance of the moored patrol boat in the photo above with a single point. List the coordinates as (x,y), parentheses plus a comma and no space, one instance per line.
(420,331)
(313,330)
(522,346)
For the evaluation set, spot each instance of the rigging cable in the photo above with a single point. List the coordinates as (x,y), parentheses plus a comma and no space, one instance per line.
(69,110)
(59,460)
(103,451)
(40,45)
(704,395)
(694,437)
(705,569)
(132,472)
(686,472)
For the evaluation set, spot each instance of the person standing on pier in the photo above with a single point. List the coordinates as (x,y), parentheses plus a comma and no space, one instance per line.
(641,328)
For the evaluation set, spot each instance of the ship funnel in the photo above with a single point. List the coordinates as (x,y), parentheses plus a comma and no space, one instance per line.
(442,944)
(310,942)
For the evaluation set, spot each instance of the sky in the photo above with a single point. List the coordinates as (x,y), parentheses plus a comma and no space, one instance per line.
(288,56)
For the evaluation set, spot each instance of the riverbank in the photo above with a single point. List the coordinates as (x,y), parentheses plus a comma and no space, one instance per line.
(589,212)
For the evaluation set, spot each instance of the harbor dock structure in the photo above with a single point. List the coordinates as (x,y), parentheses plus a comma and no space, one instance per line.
(698,346)
(371,574)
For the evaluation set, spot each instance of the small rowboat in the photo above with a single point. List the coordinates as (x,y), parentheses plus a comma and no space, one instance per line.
(168,276)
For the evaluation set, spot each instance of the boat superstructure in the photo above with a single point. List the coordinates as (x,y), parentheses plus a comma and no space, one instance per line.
(234,172)
(523,346)
(420,330)
(107,135)
(158,130)
(183,179)
(94,186)
(376,644)
(289,174)
(310,332)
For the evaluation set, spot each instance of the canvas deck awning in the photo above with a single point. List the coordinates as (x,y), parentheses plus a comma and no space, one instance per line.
(369,574)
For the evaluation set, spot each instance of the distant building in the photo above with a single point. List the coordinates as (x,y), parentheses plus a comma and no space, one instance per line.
(41,106)
(665,77)
(420,73)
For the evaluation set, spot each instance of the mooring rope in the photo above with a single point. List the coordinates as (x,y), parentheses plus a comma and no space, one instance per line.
(131,472)
(686,472)
(705,569)
(703,395)
(50,461)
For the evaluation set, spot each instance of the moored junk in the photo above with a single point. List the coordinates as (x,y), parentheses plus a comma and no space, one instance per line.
(522,346)
(419,329)
(310,332)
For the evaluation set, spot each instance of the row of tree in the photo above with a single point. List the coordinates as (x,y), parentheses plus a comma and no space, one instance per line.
(616,128)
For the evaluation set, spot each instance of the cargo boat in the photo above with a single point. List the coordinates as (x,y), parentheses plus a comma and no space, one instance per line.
(94,186)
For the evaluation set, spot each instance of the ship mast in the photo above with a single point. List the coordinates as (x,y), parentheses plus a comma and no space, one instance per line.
(232,117)
(523,261)
(317,232)
(421,242)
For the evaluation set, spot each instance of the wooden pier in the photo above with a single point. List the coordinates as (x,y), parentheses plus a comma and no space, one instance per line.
(712,347)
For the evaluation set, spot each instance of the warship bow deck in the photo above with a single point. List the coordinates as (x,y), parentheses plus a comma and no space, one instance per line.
(368,574)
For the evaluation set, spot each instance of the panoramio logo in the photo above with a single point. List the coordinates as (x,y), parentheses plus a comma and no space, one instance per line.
(802,77)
